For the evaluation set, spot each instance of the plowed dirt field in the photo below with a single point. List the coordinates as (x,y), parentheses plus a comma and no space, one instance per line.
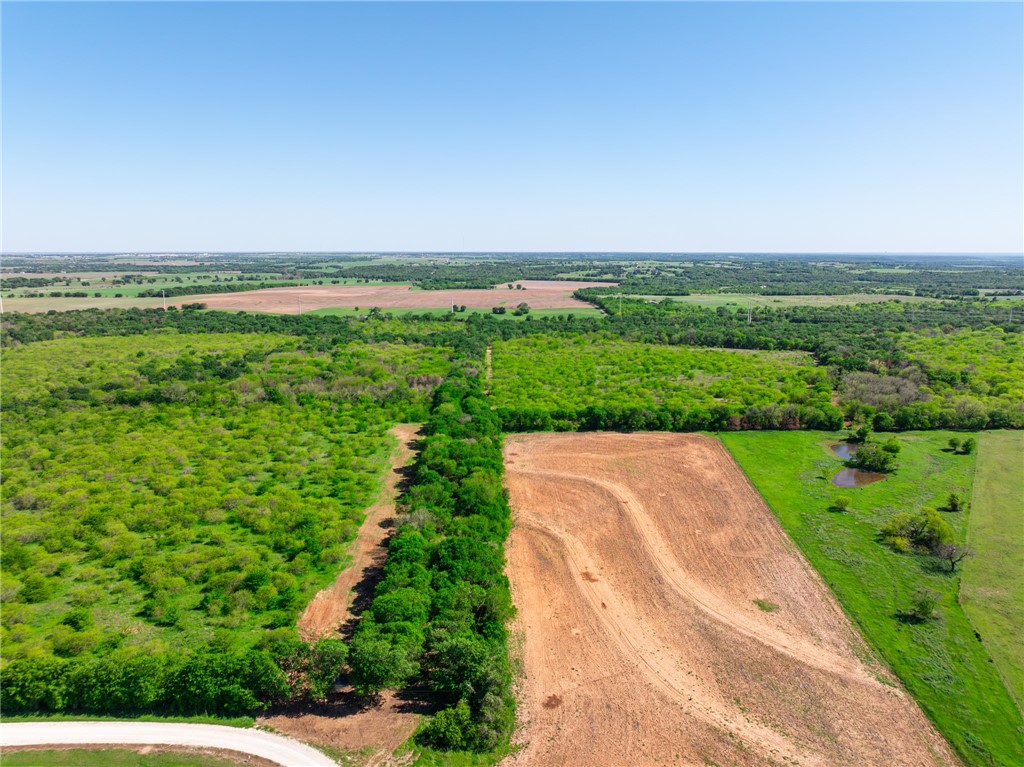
(635,562)
(539,294)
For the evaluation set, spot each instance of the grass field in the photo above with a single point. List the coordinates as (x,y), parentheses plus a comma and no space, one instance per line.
(715,300)
(992,592)
(941,661)
(112,757)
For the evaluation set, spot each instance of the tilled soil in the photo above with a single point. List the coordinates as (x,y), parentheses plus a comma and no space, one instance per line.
(635,562)
(539,294)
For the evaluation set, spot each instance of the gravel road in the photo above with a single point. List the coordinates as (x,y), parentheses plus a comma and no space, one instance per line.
(283,751)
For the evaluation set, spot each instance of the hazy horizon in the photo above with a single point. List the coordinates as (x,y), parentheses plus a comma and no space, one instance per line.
(530,127)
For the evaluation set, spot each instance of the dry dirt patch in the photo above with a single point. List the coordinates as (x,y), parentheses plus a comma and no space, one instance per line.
(330,609)
(370,729)
(539,294)
(635,561)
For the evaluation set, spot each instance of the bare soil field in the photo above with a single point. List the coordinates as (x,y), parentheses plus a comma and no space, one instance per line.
(666,618)
(539,294)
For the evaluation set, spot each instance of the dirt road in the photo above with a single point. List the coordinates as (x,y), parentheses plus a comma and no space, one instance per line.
(274,748)
(374,731)
(666,618)
(330,608)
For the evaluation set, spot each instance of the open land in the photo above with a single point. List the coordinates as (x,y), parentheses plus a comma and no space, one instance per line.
(993,582)
(940,661)
(539,294)
(666,618)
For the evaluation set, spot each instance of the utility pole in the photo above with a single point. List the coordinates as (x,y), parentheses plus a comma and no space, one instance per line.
(163,294)
(749,317)
(300,306)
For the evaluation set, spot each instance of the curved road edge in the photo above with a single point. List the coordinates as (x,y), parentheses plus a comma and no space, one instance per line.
(275,748)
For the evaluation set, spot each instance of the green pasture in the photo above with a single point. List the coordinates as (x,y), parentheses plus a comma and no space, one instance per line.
(111,757)
(992,591)
(942,662)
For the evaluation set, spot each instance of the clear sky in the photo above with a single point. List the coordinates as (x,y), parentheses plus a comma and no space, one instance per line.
(530,126)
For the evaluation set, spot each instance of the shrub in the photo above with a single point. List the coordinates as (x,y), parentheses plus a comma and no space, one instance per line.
(922,606)
(872,457)
(451,728)
(841,503)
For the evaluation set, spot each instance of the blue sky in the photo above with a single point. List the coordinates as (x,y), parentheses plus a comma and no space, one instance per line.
(529,126)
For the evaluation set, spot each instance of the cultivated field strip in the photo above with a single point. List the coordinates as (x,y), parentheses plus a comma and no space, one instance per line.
(636,561)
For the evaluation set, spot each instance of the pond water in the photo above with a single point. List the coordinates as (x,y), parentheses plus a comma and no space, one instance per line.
(856,478)
(845,450)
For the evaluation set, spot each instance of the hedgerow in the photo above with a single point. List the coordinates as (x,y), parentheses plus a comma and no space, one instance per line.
(439,614)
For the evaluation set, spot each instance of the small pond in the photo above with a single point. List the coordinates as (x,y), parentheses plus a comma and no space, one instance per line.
(845,450)
(856,478)
(852,477)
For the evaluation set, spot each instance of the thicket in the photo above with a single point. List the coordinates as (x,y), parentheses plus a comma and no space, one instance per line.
(439,615)
(799,276)
(164,494)
(598,382)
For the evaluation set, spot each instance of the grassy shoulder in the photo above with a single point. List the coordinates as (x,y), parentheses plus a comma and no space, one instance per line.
(941,661)
(112,757)
(225,721)
(992,592)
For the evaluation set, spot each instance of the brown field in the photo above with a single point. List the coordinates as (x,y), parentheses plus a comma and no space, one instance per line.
(635,562)
(539,294)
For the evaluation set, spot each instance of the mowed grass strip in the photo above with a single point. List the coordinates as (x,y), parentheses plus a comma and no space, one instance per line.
(941,662)
(992,591)
(113,757)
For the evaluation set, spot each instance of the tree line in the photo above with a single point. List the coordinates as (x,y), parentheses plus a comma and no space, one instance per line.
(439,614)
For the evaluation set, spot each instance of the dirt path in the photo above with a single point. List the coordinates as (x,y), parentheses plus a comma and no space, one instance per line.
(370,733)
(330,610)
(635,564)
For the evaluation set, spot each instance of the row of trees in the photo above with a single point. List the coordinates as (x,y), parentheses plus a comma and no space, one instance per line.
(439,615)
(140,680)
(723,417)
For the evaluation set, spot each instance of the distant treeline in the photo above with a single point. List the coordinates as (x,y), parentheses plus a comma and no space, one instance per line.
(462,275)
(793,277)
(210,287)
(862,338)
